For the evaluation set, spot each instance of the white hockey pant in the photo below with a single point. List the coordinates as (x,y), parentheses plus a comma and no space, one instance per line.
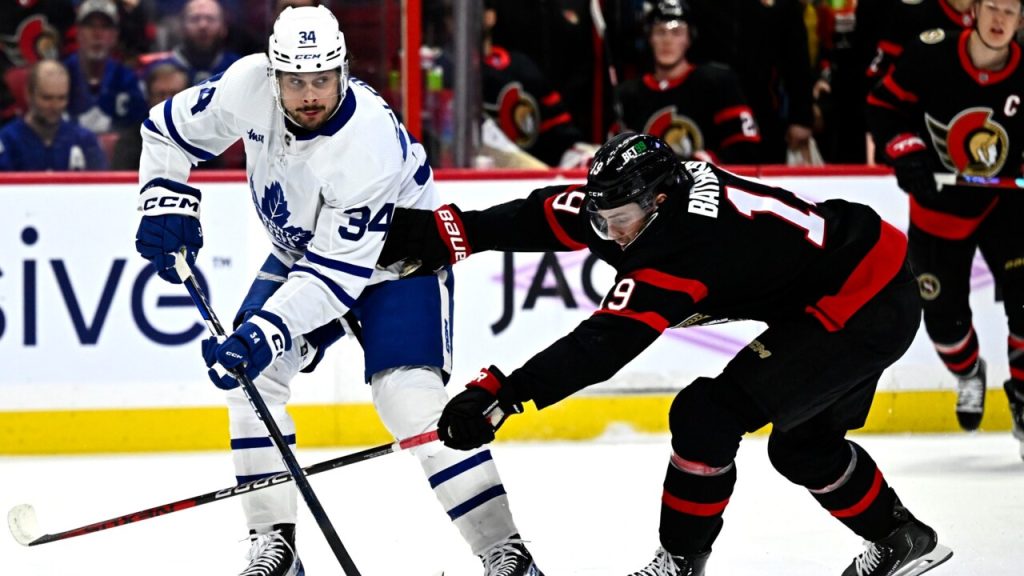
(409,401)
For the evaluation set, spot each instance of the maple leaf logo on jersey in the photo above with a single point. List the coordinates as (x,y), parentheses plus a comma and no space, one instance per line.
(677,130)
(518,115)
(273,209)
(972,144)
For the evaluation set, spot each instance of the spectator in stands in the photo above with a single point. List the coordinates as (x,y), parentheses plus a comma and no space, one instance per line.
(558,36)
(526,107)
(105,94)
(163,80)
(889,27)
(29,32)
(42,139)
(699,109)
(137,29)
(280,5)
(765,42)
(840,91)
(202,51)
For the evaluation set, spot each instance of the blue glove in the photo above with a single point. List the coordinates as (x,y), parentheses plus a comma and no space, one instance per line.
(170,222)
(250,349)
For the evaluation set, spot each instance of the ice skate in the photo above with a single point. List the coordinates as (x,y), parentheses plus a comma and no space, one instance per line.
(273,553)
(970,398)
(509,558)
(911,549)
(1015,396)
(665,564)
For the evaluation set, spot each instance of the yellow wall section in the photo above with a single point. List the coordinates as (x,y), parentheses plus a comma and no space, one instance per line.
(580,418)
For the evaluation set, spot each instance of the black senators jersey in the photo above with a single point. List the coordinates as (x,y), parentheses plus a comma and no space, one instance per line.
(901,21)
(525,106)
(971,119)
(704,110)
(732,249)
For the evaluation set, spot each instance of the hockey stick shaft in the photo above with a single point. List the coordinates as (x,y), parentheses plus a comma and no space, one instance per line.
(946,179)
(601,27)
(249,387)
(245,488)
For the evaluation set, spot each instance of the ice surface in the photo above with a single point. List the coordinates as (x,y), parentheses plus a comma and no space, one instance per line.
(587,508)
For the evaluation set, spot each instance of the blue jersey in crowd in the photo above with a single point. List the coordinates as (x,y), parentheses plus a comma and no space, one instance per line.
(117,104)
(73,148)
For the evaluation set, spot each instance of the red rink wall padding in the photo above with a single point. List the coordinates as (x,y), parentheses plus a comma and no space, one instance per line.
(98,355)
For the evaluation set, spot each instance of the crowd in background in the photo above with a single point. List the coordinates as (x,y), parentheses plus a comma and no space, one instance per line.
(556,75)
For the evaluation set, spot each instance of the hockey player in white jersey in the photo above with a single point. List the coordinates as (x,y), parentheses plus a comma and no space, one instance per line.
(327,163)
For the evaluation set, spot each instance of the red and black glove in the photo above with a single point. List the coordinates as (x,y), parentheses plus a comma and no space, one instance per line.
(434,239)
(913,165)
(470,419)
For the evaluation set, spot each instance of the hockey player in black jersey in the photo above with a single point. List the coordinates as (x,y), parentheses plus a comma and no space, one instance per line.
(952,104)
(895,24)
(699,109)
(692,244)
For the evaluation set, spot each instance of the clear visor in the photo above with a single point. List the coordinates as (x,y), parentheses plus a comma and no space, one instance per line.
(621,221)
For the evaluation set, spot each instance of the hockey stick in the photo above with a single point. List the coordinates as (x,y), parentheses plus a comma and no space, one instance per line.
(199,298)
(25,527)
(601,27)
(946,179)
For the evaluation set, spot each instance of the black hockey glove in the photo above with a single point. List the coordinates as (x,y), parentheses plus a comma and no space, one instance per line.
(434,239)
(471,418)
(914,170)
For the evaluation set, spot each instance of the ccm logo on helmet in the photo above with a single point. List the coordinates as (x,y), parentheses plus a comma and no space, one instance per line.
(306,56)
(453,230)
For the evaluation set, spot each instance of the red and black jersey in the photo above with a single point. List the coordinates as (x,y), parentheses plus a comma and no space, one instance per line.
(901,21)
(732,249)
(970,119)
(528,110)
(703,110)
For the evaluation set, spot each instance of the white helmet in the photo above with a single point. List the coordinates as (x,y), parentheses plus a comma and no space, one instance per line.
(307,39)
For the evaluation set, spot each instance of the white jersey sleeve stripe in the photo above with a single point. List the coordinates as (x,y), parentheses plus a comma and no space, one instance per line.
(185,145)
(152,127)
(360,271)
(338,291)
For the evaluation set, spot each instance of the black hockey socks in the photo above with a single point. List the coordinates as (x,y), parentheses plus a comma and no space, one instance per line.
(860,498)
(692,505)
(961,358)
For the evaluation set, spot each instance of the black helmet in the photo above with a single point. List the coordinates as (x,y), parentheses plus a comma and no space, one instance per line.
(666,11)
(630,168)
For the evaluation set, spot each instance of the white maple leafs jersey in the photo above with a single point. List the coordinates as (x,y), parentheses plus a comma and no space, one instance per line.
(326,199)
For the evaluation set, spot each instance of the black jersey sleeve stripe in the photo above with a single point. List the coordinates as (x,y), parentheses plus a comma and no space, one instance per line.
(875,270)
(652,319)
(945,225)
(696,289)
(556,227)
(898,91)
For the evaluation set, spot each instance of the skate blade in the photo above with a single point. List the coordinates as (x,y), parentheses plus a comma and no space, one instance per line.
(937,556)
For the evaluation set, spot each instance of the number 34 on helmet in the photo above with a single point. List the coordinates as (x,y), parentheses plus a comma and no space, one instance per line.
(308,39)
